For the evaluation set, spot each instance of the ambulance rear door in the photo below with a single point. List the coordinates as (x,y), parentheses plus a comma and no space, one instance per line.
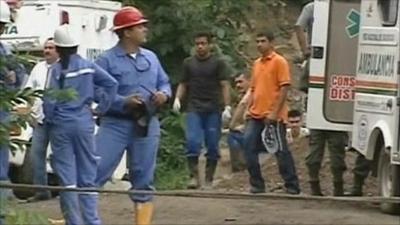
(333,64)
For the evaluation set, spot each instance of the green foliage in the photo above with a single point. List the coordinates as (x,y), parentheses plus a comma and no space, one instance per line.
(16,216)
(171,170)
(173,23)
(24,97)
(9,99)
(64,95)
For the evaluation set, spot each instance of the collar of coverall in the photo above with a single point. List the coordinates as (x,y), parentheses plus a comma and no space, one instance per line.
(119,51)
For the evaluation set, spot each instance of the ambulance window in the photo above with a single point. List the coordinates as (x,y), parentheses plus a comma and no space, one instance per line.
(389,10)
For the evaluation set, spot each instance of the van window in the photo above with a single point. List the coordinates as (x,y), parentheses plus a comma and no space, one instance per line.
(389,10)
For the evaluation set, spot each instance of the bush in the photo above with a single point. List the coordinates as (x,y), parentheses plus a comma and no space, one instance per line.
(17,216)
(171,172)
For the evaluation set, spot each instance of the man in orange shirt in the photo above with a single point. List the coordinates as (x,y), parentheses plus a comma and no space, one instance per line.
(269,86)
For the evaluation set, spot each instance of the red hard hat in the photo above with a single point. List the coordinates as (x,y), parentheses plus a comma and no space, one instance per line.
(127,17)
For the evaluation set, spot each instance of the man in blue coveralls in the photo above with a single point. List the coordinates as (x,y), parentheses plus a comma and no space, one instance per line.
(131,122)
(71,125)
(12,75)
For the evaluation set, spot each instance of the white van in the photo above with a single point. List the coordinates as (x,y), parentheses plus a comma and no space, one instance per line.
(354,81)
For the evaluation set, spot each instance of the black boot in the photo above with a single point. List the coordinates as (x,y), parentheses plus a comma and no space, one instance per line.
(338,188)
(211,166)
(193,164)
(315,188)
(356,190)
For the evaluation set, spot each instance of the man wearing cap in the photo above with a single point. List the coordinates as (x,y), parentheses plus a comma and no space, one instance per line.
(131,122)
(268,90)
(71,125)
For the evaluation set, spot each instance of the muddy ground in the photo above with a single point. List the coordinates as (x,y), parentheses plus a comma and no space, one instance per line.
(118,209)
(239,181)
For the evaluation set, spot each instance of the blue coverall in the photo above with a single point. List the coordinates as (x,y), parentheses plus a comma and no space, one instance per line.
(9,62)
(141,75)
(71,128)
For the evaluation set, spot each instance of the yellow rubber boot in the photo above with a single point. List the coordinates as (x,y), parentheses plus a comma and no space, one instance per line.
(144,213)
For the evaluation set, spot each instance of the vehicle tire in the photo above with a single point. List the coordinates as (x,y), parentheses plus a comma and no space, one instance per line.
(23,175)
(389,182)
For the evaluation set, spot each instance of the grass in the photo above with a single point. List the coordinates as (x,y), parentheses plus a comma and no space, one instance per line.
(17,216)
(173,179)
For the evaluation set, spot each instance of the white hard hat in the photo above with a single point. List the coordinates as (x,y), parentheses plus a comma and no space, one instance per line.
(64,37)
(5,14)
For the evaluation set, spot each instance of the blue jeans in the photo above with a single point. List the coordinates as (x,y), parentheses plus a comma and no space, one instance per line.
(203,126)
(252,146)
(40,141)
(235,140)
(235,143)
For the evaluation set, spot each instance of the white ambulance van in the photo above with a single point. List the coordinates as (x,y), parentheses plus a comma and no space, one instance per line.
(354,81)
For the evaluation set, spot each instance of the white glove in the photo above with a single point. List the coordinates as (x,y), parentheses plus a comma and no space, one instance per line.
(177,105)
(226,114)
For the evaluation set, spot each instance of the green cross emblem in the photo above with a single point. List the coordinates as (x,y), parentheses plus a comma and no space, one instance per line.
(353,18)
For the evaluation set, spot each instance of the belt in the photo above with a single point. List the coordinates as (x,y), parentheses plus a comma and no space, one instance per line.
(118,115)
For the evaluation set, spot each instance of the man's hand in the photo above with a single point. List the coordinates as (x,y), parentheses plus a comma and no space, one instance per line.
(33,123)
(11,77)
(271,117)
(94,111)
(247,115)
(134,101)
(177,105)
(226,114)
(306,53)
(22,111)
(159,98)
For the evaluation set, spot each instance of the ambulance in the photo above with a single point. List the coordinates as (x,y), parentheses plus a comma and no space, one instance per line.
(354,82)
(34,21)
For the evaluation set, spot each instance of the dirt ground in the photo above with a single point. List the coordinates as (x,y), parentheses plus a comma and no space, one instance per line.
(118,209)
(239,181)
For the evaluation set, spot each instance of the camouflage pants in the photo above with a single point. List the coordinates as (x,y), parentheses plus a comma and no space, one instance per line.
(336,144)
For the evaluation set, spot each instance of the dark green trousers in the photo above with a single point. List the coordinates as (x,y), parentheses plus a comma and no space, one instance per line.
(336,141)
